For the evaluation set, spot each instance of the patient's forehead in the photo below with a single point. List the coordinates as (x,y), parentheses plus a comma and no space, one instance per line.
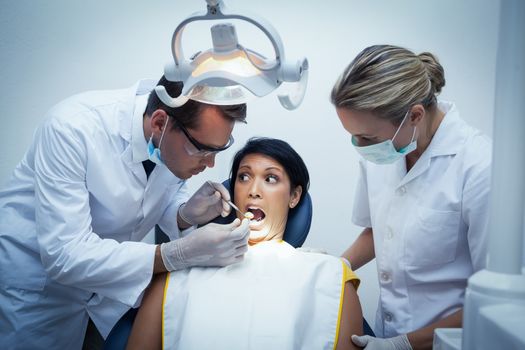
(260,162)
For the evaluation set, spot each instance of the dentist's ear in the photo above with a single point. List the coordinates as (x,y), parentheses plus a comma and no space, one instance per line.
(158,121)
(295,197)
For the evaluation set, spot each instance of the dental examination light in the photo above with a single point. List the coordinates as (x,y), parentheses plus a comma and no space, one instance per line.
(229,73)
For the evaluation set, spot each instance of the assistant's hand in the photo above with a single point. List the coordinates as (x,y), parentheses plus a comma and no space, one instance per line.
(370,343)
(210,245)
(208,202)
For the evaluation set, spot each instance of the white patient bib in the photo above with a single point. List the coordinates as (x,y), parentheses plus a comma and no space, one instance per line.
(277,298)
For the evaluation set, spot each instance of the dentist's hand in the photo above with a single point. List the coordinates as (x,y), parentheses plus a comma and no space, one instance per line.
(370,343)
(208,202)
(210,245)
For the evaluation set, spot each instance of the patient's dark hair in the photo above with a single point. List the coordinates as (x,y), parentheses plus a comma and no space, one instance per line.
(188,113)
(281,152)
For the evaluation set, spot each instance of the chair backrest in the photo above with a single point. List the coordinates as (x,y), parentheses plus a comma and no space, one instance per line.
(297,226)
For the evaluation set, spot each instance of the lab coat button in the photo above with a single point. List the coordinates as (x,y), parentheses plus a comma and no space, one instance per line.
(389,233)
(388,316)
(401,190)
(385,276)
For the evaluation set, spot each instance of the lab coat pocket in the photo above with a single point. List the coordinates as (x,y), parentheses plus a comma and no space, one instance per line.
(432,239)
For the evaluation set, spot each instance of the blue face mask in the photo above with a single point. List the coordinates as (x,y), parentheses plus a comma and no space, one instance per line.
(154,152)
(385,152)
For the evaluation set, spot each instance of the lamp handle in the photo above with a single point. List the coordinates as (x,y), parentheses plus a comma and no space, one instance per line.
(297,89)
(217,11)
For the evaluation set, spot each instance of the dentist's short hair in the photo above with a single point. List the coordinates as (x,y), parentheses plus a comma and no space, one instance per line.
(387,80)
(188,113)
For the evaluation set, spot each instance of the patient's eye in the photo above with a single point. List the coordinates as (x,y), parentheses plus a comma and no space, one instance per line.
(272,179)
(243,177)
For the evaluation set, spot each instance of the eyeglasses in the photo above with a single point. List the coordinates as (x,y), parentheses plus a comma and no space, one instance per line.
(197,149)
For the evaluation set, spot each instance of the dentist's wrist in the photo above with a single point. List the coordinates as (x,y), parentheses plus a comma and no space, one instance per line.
(182,221)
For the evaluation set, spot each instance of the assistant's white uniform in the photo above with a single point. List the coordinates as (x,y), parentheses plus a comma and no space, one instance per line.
(429,225)
(71,216)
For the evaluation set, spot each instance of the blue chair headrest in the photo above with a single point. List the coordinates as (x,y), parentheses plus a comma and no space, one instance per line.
(297,226)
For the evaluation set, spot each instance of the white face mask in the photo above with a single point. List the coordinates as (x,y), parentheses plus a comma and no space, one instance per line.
(385,152)
(153,152)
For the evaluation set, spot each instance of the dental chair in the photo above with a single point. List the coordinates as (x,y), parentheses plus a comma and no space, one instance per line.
(295,233)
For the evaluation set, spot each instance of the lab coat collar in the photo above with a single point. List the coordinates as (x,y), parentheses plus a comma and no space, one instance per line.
(129,108)
(133,132)
(451,133)
(138,141)
(129,129)
(448,139)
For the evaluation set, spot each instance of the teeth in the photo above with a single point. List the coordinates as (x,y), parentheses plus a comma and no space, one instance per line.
(254,218)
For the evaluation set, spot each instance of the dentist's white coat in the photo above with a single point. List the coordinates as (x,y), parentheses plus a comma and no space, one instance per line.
(71,217)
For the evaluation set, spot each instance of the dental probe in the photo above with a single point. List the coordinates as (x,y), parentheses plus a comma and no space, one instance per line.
(248,215)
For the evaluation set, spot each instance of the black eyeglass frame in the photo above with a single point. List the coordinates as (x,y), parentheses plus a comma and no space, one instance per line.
(200,146)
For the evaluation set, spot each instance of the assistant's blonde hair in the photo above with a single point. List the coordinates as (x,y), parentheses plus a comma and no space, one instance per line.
(387,80)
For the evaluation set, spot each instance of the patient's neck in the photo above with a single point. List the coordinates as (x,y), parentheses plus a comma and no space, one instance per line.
(269,237)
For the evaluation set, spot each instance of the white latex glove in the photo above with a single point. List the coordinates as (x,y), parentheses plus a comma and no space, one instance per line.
(370,343)
(210,245)
(208,202)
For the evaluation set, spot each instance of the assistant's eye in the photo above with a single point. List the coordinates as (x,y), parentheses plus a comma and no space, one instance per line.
(365,141)
(368,139)
(243,177)
(272,179)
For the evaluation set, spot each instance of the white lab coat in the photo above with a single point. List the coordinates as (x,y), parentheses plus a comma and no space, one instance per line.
(72,216)
(429,225)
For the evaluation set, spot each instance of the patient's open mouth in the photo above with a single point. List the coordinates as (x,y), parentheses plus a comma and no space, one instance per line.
(258,214)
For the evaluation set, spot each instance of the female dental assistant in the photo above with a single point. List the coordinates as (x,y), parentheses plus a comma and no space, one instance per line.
(422,195)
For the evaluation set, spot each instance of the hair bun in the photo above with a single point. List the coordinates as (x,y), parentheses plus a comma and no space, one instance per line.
(435,71)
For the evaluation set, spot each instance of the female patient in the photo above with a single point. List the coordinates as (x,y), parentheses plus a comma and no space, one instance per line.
(277,298)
